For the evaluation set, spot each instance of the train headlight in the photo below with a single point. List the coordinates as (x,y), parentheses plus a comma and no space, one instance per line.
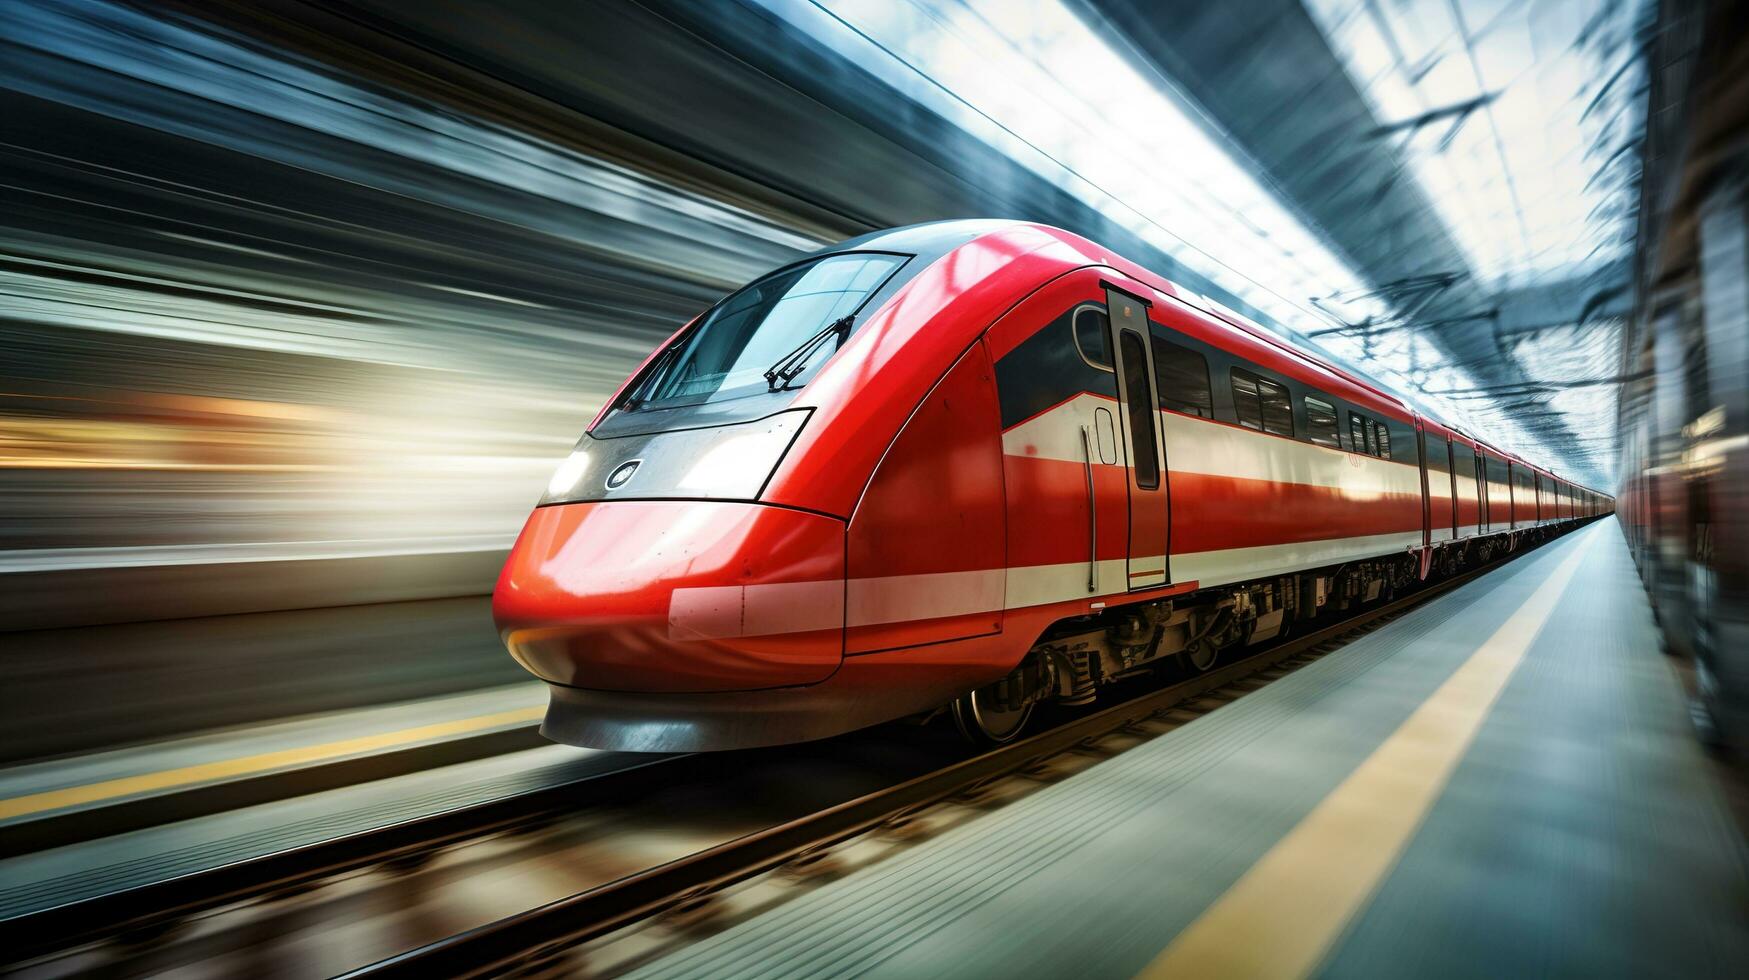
(738,466)
(724,462)
(568,473)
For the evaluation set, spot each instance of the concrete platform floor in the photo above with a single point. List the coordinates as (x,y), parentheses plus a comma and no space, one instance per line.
(1503,782)
(58,786)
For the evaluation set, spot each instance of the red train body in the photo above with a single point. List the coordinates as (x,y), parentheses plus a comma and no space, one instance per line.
(976,464)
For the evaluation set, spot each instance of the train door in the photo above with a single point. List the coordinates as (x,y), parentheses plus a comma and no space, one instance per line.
(1484,517)
(1451,482)
(1441,493)
(1512,495)
(1426,505)
(1139,420)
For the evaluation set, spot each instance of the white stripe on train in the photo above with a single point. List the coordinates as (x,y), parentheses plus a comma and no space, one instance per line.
(722,612)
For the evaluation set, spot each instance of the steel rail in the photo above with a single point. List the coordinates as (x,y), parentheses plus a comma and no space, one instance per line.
(145,908)
(528,938)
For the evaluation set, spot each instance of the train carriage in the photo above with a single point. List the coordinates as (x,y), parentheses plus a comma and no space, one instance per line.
(976,465)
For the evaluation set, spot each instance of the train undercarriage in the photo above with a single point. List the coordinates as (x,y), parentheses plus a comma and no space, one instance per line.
(1077,657)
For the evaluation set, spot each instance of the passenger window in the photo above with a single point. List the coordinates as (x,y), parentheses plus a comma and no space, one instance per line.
(1262,404)
(1372,438)
(1141,410)
(1356,433)
(1090,337)
(1246,405)
(1278,408)
(1437,459)
(1384,441)
(1183,378)
(1321,423)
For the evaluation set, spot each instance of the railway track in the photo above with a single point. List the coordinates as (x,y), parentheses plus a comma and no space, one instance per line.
(141,912)
(526,940)
(529,941)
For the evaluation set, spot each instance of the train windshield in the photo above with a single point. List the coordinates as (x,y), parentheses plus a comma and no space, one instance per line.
(778,329)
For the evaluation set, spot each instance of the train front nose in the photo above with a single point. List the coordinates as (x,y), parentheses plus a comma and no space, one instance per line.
(675,596)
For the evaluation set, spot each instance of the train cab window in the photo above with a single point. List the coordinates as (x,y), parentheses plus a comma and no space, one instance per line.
(1141,410)
(1384,436)
(1262,404)
(1091,331)
(766,337)
(1182,376)
(1321,425)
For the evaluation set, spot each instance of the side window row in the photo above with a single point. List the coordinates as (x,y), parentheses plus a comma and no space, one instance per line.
(1182,379)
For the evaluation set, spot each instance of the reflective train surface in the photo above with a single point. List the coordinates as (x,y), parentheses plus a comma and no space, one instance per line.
(972,466)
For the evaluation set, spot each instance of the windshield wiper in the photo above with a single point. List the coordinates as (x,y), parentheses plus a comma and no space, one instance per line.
(635,397)
(779,375)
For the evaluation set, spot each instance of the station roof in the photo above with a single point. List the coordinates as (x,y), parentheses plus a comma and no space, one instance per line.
(1438,193)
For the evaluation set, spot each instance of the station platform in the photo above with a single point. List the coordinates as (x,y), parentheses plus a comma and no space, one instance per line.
(45,879)
(70,799)
(1502,782)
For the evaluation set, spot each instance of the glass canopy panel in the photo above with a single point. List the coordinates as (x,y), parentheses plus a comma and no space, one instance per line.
(1503,109)
(1513,176)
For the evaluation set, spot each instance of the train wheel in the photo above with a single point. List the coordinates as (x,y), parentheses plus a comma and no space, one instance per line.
(1200,656)
(984,722)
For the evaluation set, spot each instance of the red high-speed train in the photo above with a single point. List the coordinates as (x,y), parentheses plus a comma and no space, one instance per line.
(973,465)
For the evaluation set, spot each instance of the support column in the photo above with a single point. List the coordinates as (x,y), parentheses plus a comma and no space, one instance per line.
(1719,455)
(1672,340)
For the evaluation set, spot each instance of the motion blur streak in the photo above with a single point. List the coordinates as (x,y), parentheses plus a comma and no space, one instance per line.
(297,308)
(286,329)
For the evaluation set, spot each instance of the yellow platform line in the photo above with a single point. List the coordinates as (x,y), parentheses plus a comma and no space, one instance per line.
(1282,917)
(207,772)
